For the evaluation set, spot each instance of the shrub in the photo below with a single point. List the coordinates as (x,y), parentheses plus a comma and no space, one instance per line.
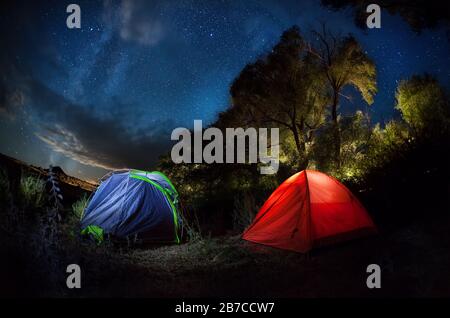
(32,190)
(55,197)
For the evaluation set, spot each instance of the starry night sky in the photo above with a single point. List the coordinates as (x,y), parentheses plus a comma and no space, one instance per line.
(109,94)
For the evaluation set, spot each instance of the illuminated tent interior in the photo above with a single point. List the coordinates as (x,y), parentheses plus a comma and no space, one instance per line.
(134,202)
(308,210)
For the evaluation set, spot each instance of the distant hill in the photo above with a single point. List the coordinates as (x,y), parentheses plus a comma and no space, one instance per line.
(58,170)
(72,187)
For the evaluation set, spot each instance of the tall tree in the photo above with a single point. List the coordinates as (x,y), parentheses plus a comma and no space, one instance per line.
(343,63)
(281,90)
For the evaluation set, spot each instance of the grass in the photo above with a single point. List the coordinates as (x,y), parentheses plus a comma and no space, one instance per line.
(191,227)
(413,257)
(79,206)
(244,211)
(32,190)
(229,266)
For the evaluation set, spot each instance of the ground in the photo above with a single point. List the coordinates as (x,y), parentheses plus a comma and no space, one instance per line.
(414,259)
(414,262)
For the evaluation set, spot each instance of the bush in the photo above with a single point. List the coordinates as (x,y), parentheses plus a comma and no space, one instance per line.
(32,190)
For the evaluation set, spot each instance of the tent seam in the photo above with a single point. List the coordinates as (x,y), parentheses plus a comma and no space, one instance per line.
(161,189)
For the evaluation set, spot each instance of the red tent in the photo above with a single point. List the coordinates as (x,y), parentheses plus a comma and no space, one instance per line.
(308,210)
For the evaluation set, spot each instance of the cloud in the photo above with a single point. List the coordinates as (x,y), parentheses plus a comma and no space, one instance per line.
(75,129)
(11,97)
(11,102)
(99,141)
(65,142)
(141,21)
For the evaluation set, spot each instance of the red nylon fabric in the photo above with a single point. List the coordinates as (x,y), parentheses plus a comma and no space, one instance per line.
(309,209)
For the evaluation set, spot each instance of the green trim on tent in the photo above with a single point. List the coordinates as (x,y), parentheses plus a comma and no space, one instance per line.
(164,192)
(167,179)
(135,171)
(95,231)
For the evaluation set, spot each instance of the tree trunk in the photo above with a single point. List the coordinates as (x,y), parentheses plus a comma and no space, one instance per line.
(336,130)
(302,160)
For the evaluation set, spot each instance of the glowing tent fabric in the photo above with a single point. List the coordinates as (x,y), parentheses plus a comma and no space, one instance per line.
(307,210)
(135,202)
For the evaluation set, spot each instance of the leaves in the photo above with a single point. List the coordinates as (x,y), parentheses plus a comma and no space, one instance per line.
(282,89)
(423,103)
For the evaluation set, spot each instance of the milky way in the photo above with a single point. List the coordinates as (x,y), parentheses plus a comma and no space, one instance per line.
(108,95)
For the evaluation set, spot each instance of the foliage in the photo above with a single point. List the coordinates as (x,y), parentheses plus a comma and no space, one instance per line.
(355,137)
(343,62)
(365,148)
(32,191)
(419,14)
(280,90)
(423,104)
(297,87)
(207,191)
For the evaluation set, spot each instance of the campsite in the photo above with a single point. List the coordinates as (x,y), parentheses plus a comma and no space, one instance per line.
(348,180)
(411,254)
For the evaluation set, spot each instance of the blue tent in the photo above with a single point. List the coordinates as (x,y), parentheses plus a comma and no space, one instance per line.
(134,202)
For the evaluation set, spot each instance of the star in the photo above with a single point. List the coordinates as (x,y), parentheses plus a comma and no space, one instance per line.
(157,79)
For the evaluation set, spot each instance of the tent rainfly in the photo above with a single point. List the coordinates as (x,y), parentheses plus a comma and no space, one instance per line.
(307,210)
(134,202)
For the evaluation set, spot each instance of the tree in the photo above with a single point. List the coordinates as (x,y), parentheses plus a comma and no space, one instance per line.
(343,63)
(423,104)
(419,14)
(282,90)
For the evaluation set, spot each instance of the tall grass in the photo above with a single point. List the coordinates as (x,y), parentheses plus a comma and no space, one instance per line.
(79,206)
(244,211)
(191,227)
(32,191)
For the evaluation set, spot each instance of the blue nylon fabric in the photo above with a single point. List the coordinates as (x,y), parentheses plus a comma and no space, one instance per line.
(158,179)
(123,206)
